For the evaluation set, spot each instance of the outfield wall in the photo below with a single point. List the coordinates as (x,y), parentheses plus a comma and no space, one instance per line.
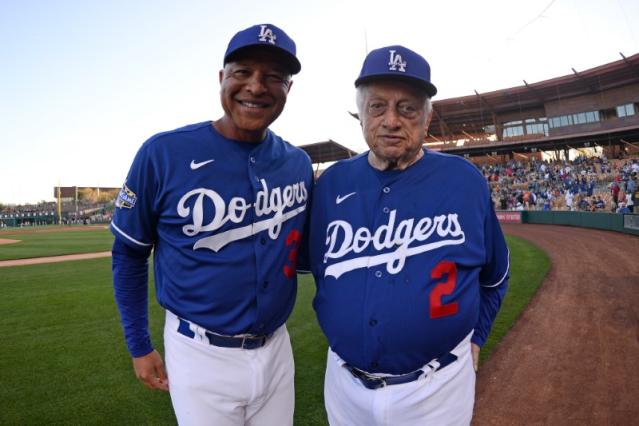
(626,223)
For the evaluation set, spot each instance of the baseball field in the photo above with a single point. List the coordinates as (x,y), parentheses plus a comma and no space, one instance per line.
(63,358)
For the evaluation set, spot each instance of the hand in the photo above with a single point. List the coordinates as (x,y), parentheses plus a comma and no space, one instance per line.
(475,352)
(149,369)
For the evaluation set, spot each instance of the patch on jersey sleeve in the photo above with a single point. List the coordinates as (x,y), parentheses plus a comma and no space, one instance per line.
(126,198)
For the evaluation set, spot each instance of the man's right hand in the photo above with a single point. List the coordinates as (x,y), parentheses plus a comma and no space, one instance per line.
(149,369)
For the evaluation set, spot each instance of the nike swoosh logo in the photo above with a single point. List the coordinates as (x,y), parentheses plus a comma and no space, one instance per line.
(339,199)
(195,166)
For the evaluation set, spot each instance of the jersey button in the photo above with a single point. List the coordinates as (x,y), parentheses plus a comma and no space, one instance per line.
(374,365)
(378,274)
(252,160)
(262,240)
(265,284)
(372,322)
(386,190)
(386,210)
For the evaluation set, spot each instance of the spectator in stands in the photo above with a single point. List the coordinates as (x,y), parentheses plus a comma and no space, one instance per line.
(569,199)
(614,189)
(622,208)
(630,204)
(584,205)
(621,197)
(632,189)
(547,200)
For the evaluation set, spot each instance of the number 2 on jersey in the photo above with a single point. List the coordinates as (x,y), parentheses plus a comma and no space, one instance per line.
(444,288)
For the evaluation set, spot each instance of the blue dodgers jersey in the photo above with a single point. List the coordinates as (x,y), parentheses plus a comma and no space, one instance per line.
(399,257)
(225,220)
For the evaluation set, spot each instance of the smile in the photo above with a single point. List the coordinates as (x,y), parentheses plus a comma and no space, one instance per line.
(253,105)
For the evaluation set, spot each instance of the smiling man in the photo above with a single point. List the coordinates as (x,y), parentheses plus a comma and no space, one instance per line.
(409,260)
(222,205)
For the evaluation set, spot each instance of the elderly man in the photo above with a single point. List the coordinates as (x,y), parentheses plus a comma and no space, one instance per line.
(410,263)
(222,204)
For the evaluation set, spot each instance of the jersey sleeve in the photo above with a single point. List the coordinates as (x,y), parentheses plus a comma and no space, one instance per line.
(135,216)
(134,227)
(493,278)
(130,282)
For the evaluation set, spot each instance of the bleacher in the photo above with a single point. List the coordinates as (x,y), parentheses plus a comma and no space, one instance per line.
(588,178)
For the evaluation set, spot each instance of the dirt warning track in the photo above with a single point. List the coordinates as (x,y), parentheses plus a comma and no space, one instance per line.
(572,358)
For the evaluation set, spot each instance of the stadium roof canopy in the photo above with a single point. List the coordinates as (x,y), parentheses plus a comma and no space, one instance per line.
(323,152)
(472,113)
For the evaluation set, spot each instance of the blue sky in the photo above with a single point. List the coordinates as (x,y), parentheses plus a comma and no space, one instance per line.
(84,83)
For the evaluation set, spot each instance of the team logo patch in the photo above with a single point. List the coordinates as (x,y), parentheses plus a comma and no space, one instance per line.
(396,63)
(266,34)
(126,198)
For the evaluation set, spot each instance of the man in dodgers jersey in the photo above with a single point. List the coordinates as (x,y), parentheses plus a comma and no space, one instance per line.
(222,204)
(410,262)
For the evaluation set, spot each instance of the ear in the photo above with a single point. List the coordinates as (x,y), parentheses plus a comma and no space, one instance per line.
(356,117)
(290,84)
(221,76)
(427,123)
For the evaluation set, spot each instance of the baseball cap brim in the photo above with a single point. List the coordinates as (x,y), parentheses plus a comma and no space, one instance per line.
(291,62)
(429,88)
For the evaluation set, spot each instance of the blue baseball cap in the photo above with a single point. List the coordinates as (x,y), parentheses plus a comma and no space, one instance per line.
(268,36)
(397,62)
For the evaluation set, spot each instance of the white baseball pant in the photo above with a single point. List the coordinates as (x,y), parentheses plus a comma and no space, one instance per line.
(445,397)
(212,385)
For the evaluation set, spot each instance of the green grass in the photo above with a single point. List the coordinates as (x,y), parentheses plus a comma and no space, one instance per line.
(528,267)
(55,243)
(309,350)
(63,358)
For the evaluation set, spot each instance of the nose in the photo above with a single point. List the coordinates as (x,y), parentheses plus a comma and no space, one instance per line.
(255,84)
(391,119)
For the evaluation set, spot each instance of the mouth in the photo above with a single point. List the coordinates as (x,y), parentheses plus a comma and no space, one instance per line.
(254,105)
(391,138)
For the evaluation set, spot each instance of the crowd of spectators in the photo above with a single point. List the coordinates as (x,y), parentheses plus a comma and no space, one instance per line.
(584,184)
(46,213)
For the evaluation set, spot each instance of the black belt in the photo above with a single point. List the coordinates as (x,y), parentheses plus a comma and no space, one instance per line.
(373,382)
(245,342)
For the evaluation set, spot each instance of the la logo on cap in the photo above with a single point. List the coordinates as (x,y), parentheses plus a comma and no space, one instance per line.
(266,34)
(396,61)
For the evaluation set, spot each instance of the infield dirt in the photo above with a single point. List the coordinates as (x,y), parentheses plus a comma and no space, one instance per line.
(4,241)
(53,259)
(571,358)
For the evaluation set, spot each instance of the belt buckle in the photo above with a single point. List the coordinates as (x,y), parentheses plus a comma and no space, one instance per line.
(368,380)
(253,342)
(243,342)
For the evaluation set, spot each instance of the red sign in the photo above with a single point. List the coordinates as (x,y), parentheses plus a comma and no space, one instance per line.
(509,217)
